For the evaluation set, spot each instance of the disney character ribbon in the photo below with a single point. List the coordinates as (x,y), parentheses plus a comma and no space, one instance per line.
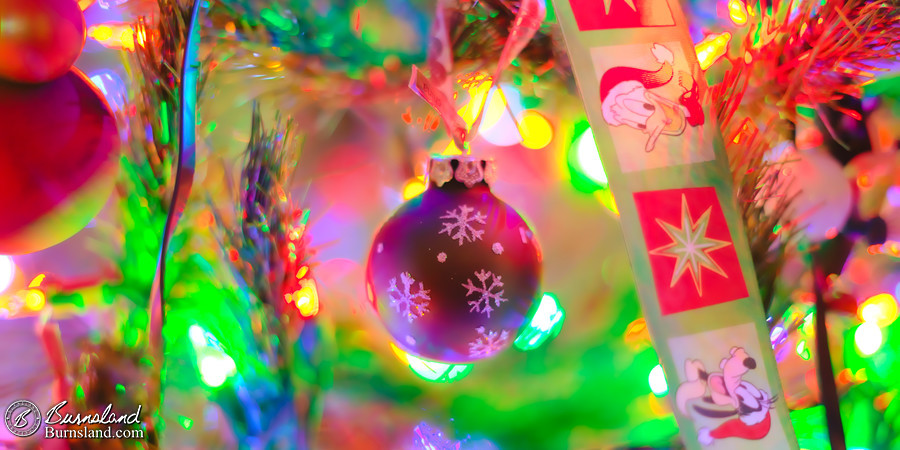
(643,91)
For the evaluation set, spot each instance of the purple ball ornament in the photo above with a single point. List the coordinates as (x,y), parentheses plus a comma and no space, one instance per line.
(454,273)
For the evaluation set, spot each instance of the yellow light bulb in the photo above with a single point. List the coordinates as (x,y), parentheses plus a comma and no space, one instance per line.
(100,32)
(737,10)
(307,298)
(711,48)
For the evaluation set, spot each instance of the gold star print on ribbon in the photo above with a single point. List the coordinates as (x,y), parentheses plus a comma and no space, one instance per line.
(690,246)
(608,3)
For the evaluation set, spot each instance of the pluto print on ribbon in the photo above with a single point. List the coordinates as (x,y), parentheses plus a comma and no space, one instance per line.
(692,256)
(608,14)
(724,388)
(650,99)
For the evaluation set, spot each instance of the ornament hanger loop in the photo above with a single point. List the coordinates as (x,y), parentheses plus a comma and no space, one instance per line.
(469,170)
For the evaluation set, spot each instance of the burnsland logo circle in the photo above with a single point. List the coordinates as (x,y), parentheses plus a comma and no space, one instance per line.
(22,418)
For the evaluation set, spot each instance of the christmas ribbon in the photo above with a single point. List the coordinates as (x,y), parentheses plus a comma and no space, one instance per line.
(438,90)
(643,91)
(529,17)
(438,100)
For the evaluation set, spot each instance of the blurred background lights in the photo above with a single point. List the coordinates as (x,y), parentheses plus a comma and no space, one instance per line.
(306,299)
(803,350)
(112,87)
(497,126)
(413,187)
(7,272)
(880,309)
(35,300)
(868,338)
(657,381)
(215,369)
(117,36)
(535,129)
(544,324)
(185,422)
(197,336)
(495,107)
(711,48)
(893,195)
(434,371)
(214,364)
(588,158)
(737,11)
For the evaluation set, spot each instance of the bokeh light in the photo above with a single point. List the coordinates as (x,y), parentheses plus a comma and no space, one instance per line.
(498,125)
(117,36)
(413,187)
(545,323)
(536,130)
(215,369)
(214,365)
(637,336)
(657,381)
(307,298)
(711,48)
(803,350)
(737,11)
(185,422)
(495,105)
(588,158)
(868,338)
(7,272)
(35,300)
(435,371)
(880,309)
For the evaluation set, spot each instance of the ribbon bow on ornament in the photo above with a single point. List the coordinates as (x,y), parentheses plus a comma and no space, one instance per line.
(438,90)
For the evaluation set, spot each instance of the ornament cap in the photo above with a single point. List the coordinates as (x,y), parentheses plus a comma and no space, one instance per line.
(465,169)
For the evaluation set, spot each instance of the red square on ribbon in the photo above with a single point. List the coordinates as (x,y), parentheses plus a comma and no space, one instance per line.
(609,14)
(692,255)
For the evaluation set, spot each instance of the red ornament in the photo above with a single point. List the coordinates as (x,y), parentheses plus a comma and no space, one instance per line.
(453,274)
(39,39)
(58,160)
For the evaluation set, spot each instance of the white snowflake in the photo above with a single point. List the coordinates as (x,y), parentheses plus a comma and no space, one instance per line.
(461,228)
(408,304)
(442,257)
(483,303)
(488,343)
(497,248)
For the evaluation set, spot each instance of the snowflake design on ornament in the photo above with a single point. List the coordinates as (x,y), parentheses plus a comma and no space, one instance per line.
(408,304)
(461,228)
(483,303)
(487,343)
